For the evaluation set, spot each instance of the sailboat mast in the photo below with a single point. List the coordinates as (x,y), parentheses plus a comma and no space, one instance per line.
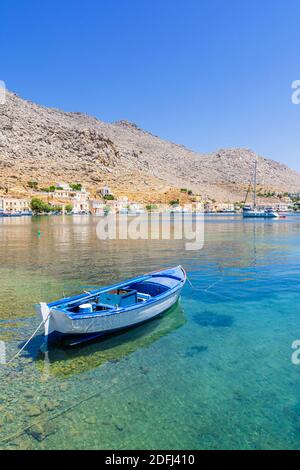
(255,182)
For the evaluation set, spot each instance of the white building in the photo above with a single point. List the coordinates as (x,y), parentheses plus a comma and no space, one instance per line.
(96,207)
(80,202)
(282,207)
(121,203)
(14,205)
(225,207)
(63,194)
(63,186)
(294,195)
(134,206)
(78,199)
(105,191)
(68,193)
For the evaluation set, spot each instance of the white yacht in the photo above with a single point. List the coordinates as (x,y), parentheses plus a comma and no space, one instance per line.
(254,212)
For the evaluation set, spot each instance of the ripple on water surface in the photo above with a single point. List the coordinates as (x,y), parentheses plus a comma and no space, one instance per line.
(214,372)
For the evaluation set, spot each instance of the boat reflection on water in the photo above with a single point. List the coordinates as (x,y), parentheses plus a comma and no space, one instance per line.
(64,362)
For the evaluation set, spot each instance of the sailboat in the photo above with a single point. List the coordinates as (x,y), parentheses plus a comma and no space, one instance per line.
(248,211)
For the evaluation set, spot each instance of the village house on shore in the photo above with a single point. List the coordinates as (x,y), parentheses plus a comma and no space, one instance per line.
(11,204)
(79,201)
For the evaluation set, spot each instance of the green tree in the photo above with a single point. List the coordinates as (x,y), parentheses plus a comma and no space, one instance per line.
(38,206)
(55,208)
(151,207)
(76,186)
(32,184)
(174,202)
(68,208)
(109,197)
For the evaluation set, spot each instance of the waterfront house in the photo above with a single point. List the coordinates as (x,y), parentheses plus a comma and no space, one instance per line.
(225,207)
(136,207)
(197,207)
(282,207)
(121,204)
(80,201)
(11,204)
(96,207)
(209,207)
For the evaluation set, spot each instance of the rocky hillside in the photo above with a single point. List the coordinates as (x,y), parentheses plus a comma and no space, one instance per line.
(48,145)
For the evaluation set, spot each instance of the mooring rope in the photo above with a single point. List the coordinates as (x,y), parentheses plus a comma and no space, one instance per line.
(203,290)
(87,292)
(69,408)
(11,438)
(28,341)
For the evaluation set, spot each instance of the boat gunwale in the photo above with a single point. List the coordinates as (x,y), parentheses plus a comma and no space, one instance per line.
(115,311)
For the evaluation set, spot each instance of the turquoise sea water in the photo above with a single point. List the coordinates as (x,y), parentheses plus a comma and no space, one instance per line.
(214,373)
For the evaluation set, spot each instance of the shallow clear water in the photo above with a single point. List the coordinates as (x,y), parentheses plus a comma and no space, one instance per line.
(214,373)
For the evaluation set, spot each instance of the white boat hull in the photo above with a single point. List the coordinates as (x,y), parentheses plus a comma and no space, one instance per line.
(59,322)
(260,215)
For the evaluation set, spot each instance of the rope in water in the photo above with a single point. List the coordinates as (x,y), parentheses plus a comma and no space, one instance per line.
(28,341)
(18,434)
(44,321)
(71,407)
(200,289)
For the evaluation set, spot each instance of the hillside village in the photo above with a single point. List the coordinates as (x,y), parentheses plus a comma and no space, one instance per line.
(44,152)
(73,198)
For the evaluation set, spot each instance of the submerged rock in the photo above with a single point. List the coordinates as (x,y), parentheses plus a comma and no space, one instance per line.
(144,370)
(193,350)
(6,418)
(42,429)
(33,410)
(91,420)
(213,319)
(49,405)
(64,387)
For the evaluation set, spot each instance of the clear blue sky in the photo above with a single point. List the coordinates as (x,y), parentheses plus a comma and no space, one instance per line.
(207,74)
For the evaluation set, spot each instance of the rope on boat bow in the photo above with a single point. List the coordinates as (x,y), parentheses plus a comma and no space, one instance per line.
(28,341)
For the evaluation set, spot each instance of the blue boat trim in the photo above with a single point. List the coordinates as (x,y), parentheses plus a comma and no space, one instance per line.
(105,313)
(116,307)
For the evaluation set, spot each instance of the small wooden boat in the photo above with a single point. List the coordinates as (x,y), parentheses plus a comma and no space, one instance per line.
(114,308)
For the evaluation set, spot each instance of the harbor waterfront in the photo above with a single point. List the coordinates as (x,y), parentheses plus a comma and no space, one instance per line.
(214,372)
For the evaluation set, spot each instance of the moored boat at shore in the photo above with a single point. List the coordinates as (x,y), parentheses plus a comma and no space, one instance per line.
(267,213)
(254,212)
(11,214)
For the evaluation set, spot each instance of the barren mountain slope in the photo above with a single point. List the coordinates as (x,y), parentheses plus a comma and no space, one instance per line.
(48,145)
